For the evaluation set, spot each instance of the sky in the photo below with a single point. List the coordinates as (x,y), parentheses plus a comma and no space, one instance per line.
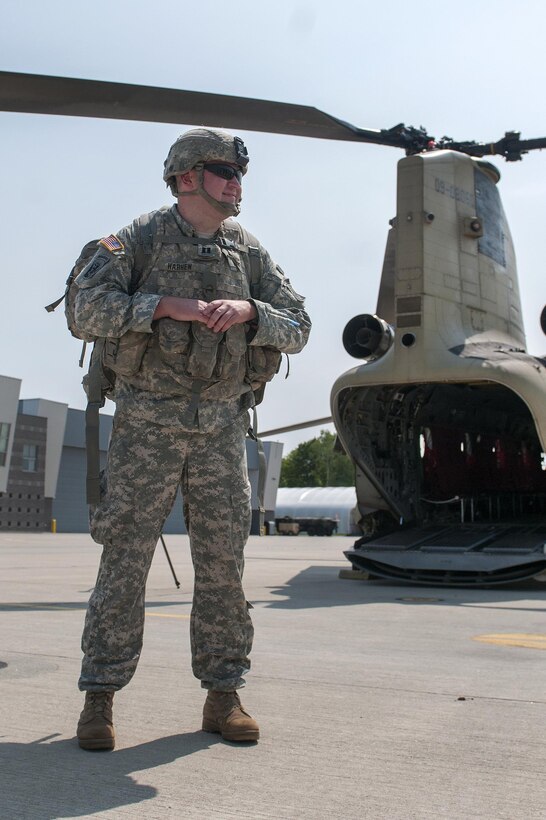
(471,71)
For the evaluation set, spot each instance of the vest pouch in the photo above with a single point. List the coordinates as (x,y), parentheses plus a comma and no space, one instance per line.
(231,354)
(203,351)
(174,336)
(263,364)
(124,355)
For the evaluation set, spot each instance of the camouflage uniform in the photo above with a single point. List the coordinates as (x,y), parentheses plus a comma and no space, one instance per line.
(182,394)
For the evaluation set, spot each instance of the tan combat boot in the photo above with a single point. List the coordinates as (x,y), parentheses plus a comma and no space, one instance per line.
(95,728)
(224,713)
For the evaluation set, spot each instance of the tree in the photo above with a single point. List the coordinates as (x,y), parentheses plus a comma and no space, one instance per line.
(314,463)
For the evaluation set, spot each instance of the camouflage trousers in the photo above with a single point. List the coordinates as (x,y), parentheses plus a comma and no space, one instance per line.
(146,464)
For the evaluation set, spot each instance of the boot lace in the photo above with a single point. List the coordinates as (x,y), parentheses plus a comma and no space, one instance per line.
(100,702)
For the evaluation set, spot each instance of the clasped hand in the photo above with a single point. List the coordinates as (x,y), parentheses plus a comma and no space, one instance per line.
(218,315)
(221,314)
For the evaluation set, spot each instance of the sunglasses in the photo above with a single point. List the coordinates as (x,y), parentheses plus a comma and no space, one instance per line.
(224,171)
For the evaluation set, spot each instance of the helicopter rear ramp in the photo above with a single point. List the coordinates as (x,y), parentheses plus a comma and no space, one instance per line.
(473,555)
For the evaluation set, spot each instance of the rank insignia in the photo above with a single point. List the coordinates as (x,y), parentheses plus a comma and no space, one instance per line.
(112,244)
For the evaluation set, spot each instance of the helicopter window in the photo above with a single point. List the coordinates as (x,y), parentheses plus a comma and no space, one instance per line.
(490,213)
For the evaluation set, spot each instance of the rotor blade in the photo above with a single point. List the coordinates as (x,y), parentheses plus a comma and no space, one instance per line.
(69,96)
(40,94)
(531,145)
(511,147)
(301,426)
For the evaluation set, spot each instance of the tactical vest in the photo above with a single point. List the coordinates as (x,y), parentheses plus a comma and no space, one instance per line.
(185,355)
(188,357)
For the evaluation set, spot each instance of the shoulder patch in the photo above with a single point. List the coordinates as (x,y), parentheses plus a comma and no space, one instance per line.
(112,244)
(94,266)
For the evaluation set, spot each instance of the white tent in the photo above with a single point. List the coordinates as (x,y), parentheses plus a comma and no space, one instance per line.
(319,502)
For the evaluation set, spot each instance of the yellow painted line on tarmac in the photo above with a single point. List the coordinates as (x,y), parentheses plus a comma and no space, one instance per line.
(165,615)
(528,641)
(4,607)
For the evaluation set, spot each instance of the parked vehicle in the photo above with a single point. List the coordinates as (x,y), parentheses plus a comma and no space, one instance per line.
(312,526)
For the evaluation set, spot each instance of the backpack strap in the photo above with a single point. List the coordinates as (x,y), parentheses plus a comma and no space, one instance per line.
(95,400)
(255,260)
(256,267)
(143,263)
(250,247)
(262,469)
(50,308)
(144,252)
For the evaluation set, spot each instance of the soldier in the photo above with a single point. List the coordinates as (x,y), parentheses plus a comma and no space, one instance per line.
(192,347)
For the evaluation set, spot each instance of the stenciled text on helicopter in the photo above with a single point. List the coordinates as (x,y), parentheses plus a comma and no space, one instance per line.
(453,191)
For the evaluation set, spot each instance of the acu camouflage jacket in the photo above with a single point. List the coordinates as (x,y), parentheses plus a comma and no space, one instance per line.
(166,369)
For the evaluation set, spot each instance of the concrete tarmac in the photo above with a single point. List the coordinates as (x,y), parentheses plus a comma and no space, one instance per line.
(375,700)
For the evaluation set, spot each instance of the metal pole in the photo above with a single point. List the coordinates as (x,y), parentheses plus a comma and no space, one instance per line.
(177,582)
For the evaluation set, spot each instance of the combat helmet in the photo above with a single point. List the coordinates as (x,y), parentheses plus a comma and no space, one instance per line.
(196,147)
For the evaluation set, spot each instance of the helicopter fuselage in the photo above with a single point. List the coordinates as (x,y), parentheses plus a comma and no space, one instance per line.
(445,419)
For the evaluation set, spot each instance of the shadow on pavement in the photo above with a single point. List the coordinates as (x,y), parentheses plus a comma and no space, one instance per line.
(320,586)
(48,780)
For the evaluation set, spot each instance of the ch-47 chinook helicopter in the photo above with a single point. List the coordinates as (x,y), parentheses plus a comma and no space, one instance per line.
(445,418)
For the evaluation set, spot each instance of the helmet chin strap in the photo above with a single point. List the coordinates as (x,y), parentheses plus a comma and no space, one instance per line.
(225,208)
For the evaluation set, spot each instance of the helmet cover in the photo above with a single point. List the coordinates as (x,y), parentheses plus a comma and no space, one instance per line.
(201,145)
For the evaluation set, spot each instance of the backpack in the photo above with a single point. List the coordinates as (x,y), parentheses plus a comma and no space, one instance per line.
(100,380)
(143,253)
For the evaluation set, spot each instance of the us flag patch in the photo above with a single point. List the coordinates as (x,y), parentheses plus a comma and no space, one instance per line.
(112,243)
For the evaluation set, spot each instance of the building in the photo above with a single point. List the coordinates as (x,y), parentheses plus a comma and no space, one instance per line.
(43,466)
(31,436)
